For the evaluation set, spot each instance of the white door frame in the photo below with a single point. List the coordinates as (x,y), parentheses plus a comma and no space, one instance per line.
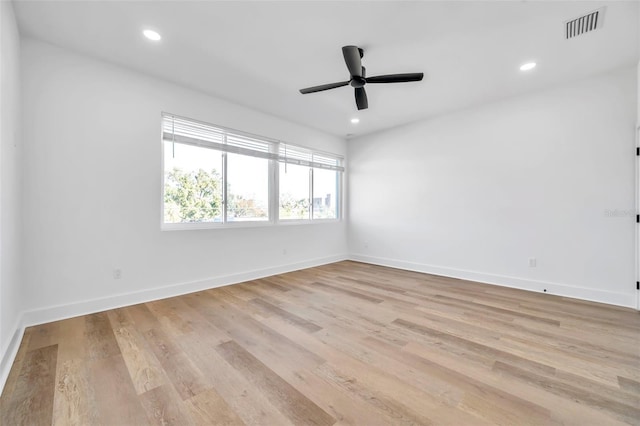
(637,225)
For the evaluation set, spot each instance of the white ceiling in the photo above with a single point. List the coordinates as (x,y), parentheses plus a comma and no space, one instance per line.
(260,53)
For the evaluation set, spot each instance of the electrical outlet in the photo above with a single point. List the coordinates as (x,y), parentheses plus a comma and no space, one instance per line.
(117,274)
(366,244)
(533,262)
(284,251)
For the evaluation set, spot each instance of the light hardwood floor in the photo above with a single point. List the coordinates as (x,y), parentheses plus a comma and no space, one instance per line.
(346,343)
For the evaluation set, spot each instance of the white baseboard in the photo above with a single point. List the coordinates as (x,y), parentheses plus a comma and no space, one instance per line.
(60,312)
(593,295)
(10,352)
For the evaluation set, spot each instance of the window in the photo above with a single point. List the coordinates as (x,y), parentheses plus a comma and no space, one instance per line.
(192,184)
(247,188)
(325,191)
(309,184)
(294,192)
(215,177)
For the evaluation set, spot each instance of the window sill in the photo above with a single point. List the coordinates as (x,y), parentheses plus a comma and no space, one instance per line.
(239,225)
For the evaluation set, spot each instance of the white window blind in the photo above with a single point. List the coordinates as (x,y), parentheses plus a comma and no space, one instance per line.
(191,132)
(292,154)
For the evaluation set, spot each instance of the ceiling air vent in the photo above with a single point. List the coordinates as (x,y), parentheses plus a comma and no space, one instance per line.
(584,24)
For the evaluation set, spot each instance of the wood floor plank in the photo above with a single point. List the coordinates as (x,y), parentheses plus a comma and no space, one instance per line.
(562,410)
(115,395)
(629,385)
(342,405)
(401,413)
(293,318)
(144,368)
(249,332)
(244,399)
(119,317)
(143,318)
(164,408)
(31,402)
(354,369)
(624,411)
(475,347)
(101,342)
(576,344)
(209,408)
(170,313)
(186,378)
(298,408)
(336,289)
(588,367)
(43,335)
(74,402)
(71,341)
(474,396)
(346,343)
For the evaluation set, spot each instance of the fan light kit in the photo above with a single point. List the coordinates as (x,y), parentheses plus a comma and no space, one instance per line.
(528,66)
(152,35)
(352,57)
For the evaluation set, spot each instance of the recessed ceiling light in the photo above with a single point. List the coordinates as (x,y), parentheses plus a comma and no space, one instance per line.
(355,120)
(152,35)
(528,66)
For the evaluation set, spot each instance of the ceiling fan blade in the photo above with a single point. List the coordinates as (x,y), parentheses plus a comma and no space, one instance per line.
(396,78)
(352,59)
(323,87)
(361,98)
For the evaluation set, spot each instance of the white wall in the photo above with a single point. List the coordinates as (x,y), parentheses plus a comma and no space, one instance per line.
(477,193)
(10,184)
(92,191)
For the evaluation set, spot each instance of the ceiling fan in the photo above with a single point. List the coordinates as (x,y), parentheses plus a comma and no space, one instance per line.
(352,56)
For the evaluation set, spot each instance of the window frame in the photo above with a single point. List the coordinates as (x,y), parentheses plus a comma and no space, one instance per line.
(273,186)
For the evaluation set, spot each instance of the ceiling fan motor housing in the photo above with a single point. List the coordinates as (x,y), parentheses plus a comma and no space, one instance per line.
(357,81)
